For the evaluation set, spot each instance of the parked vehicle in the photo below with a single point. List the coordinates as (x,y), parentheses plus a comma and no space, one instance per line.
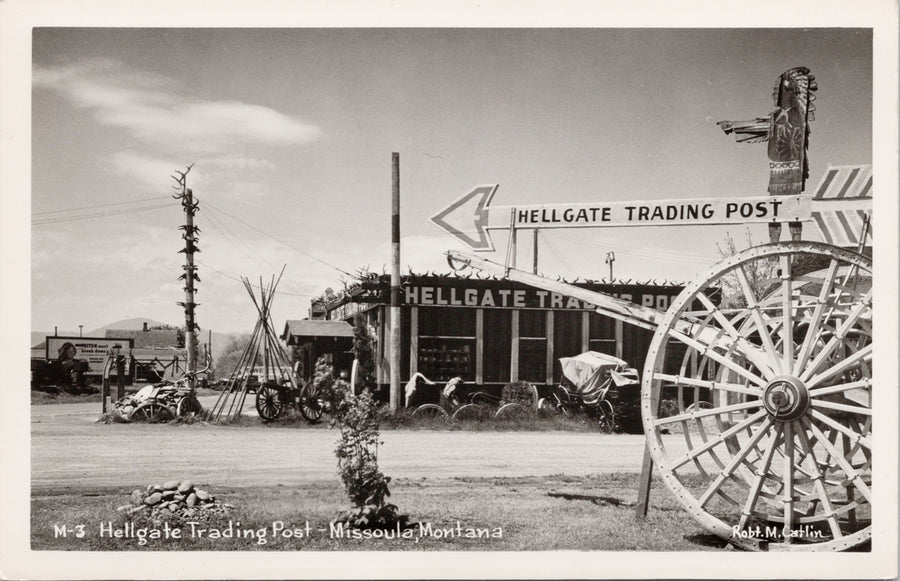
(599,385)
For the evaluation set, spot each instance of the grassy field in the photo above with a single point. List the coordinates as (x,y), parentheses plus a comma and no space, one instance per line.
(593,513)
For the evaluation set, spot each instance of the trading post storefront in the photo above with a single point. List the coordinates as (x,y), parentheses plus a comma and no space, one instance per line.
(491,332)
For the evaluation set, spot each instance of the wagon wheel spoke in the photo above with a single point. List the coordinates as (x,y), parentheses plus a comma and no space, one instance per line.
(736,460)
(760,476)
(819,483)
(694,415)
(861,356)
(696,452)
(854,476)
(852,317)
(788,476)
(855,437)
(841,387)
(753,306)
(853,409)
(709,384)
(717,357)
(750,351)
(812,333)
(787,327)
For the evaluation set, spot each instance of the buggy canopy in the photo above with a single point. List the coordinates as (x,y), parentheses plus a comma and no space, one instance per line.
(590,370)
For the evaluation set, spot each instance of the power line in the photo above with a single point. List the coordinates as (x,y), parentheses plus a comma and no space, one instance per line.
(559,257)
(233,238)
(92,207)
(59,220)
(240,281)
(292,247)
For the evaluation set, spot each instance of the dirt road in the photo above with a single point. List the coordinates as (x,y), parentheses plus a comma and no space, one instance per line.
(68,449)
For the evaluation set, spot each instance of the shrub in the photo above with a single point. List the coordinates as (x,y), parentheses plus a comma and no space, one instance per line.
(520,392)
(356,416)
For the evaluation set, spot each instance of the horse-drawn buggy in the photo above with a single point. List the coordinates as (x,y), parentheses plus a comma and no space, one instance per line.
(600,386)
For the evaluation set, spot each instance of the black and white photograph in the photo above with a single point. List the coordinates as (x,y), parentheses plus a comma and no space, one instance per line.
(468,291)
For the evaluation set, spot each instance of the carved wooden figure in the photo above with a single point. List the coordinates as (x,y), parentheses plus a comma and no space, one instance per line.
(786,130)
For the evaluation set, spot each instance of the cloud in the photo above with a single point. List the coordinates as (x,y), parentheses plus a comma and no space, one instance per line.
(152,109)
(151,171)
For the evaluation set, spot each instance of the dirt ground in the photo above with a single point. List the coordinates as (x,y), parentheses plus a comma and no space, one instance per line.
(69,449)
(547,490)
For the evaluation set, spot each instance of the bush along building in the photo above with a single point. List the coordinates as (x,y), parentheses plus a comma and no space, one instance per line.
(488,331)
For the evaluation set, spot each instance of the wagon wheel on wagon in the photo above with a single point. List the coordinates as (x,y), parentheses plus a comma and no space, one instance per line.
(472,411)
(311,405)
(774,398)
(429,410)
(188,405)
(152,412)
(269,403)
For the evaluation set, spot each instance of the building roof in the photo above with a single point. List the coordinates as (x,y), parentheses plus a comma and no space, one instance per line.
(146,339)
(317,328)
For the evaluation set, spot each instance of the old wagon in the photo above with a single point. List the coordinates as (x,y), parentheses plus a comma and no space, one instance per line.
(598,384)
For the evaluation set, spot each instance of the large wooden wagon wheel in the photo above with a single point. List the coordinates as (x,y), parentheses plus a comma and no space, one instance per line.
(772,382)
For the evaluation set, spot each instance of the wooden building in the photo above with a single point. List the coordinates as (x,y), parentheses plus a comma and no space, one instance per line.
(491,332)
(311,339)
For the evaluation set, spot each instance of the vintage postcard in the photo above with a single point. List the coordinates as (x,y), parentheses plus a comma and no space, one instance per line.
(472,290)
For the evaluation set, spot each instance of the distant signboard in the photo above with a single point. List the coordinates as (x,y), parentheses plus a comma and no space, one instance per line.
(90,349)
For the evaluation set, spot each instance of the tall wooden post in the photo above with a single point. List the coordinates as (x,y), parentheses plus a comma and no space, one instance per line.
(190,271)
(534,269)
(395,283)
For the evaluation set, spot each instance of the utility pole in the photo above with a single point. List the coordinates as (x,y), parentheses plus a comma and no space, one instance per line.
(610,258)
(395,282)
(534,269)
(186,196)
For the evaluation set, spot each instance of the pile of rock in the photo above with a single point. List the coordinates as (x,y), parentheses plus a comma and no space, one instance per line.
(179,498)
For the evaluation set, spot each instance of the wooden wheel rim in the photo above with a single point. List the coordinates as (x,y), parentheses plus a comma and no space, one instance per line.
(152,412)
(268,403)
(430,410)
(817,469)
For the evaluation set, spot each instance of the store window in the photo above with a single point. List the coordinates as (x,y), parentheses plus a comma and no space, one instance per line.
(447,343)
(602,334)
(497,345)
(533,346)
(566,338)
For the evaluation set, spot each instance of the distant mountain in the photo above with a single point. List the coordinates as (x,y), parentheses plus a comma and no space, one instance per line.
(134,324)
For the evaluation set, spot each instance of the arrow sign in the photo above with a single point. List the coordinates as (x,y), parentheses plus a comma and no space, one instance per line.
(469,217)
(842,203)
(466,218)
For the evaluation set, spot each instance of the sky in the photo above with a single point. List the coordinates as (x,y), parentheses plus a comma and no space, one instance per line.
(291,133)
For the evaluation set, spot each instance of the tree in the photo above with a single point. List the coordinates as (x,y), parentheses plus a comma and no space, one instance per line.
(759,275)
(228,360)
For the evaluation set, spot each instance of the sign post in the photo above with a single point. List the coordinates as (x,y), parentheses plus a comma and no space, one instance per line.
(470,217)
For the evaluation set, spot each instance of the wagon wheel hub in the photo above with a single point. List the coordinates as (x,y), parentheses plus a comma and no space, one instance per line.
(786,398)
